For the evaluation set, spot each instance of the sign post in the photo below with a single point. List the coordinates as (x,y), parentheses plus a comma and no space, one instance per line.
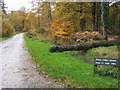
(108,62)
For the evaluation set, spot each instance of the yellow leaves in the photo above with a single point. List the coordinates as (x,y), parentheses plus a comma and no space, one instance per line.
(61,33)
(6,28)
(60,28)
(30,20)
(32,32)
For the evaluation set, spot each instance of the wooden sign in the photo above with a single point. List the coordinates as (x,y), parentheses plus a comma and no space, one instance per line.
(106,61)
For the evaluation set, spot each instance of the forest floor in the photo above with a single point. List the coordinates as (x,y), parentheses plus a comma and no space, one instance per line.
(18,68)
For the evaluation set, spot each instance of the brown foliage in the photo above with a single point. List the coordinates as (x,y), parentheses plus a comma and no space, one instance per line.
(81,37)
(112,37)
(31,33)
(60,28)
(7,28)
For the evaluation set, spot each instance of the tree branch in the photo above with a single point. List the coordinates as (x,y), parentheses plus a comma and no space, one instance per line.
(80,11)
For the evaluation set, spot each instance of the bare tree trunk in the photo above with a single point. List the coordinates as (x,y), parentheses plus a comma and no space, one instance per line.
(82,24)
(98,23)
(105,8)
(49,12)
(94,16)
(98,17)
(82,21)
(84,46)
(38,19)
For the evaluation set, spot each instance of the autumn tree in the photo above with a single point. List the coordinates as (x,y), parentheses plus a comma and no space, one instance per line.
(78,13)
(18,19)
(114,19)
(60,29)
(42,9)
(7,27)
(81,16)
(30,21)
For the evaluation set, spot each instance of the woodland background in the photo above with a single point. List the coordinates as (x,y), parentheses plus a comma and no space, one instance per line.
(64,22)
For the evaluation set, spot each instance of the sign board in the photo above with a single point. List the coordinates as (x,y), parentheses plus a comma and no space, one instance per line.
(106,61)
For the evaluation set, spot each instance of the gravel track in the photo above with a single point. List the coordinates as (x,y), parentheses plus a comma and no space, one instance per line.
(18,69)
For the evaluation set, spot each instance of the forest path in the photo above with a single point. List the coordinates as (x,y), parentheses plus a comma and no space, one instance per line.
(18,69)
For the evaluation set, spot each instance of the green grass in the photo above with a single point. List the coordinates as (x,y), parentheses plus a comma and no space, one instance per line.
(101,52)
(5,38)
(72,71)
(105,52)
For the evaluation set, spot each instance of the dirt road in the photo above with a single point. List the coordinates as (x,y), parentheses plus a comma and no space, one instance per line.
(18,70)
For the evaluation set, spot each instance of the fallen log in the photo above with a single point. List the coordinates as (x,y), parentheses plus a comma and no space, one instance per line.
(83,46)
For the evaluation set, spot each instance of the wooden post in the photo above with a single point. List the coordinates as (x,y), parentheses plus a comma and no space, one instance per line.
(95,68)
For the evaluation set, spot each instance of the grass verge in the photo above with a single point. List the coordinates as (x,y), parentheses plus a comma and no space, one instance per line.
(72,71)
(5,38)
(106,52)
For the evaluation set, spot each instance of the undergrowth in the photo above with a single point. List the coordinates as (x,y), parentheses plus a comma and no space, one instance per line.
(5,38)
